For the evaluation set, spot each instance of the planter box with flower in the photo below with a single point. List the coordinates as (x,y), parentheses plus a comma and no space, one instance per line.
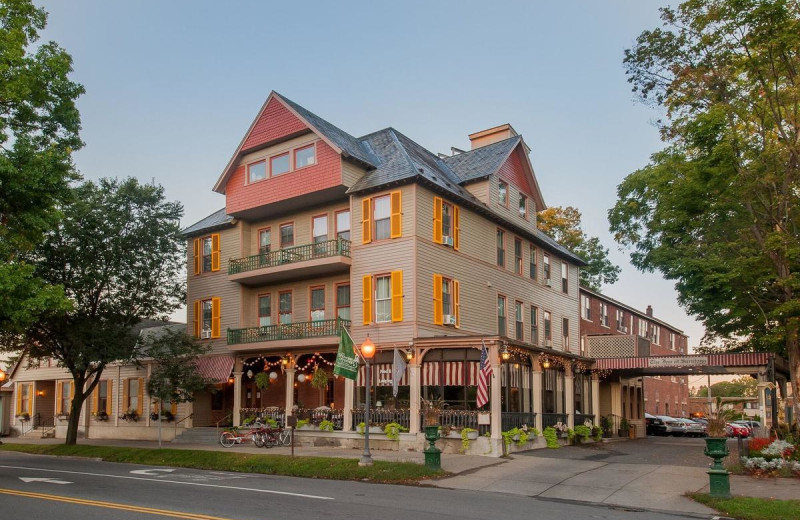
(24,417)
(130,416)
(100,416)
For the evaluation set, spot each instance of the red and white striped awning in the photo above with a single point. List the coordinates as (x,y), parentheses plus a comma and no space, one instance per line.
(450,373)
(739,359)
(216,368)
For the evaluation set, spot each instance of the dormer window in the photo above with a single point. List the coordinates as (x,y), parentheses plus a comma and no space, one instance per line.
(523,206)
(304,156)
(503,194)
(257,171)
(279,164)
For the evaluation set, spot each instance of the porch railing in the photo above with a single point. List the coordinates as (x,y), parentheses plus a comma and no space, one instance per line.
(289,255)
(581,418)
(316,415)
(383,416)
(551,419)
(298,330)
(517,420)
(272,412)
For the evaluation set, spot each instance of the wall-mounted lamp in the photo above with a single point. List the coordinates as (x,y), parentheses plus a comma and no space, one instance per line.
(504,352)
(409,355)
(2,376)
(40,393)
(546,363)
(231,380)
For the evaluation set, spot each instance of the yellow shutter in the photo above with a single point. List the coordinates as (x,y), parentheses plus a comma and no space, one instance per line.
(19,398)
(59,391)
(215,252)
(30,398)
(397,295)
(140,401)
(109,396)
(396,221)
(96,397)
(456,228)
(173,408)
(71,393)
(367,299)
(437,299)
(125,397)
(215,318)
(196,256)
(437,220)
(198,309)
(457,303)
(366,221)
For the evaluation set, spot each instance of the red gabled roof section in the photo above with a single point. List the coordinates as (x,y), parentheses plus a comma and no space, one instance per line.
(518,171)
(275,121)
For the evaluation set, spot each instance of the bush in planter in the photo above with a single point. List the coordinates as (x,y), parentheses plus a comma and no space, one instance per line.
(305,422)
(100,416)
(326,426)
(597,433)
(392,431)
(551,437)
(466,438)
(582,433)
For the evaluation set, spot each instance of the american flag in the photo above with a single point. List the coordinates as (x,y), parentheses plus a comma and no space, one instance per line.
(484,376)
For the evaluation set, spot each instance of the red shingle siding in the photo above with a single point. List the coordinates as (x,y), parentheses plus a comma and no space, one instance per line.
(276,121)
(513,172)
(325,174)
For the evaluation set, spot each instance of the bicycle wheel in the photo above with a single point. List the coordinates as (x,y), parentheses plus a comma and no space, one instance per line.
(285,436)
(227,439)
(258,439)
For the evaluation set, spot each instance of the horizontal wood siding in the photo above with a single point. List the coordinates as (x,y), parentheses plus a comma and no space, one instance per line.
(301,303)
(480,190)
(512,211)
(351,173)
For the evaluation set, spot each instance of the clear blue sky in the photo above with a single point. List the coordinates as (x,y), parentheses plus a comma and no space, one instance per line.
(171,87)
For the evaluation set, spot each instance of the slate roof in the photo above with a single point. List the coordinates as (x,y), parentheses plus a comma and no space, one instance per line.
(348,144)
(483,161)
(216,220)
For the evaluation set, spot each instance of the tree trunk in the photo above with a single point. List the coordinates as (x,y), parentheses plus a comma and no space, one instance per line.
(793,351)
(74,418)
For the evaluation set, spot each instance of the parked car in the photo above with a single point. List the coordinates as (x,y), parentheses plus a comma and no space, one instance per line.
(654,425)
(737,430)
(694,428)
(752,425)
(672,425)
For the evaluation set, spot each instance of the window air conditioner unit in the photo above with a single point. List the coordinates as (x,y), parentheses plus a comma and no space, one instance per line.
(449,319)
(548,282)
(206,334)
(447,240)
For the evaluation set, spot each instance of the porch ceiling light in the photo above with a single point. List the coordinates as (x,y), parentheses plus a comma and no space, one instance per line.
(301,377)
(273,375)
(250,374)
(231,380)
(368,348)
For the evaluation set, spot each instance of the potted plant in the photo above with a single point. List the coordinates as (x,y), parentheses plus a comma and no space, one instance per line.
(24,417)
(130,416)
(100,416)
(717,449)
(326,426)
(623,428)
(605,425)
(431,409)
(392,431)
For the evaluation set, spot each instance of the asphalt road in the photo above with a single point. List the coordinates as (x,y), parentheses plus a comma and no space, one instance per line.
(70,488)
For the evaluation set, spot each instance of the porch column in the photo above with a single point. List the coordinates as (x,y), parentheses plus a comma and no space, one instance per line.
(596,399)
(495,391)
(415,390)
(537,392)
(290,390)
(569,396)
(237,398)
(349,392)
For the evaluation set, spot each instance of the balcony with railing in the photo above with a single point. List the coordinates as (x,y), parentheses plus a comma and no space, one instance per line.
(320,332)
(292,263)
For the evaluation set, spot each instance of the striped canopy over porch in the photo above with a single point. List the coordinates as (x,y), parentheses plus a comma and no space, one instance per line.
(688,364)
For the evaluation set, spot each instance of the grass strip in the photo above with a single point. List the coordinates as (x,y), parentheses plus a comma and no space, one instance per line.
(332,468)
(751,508)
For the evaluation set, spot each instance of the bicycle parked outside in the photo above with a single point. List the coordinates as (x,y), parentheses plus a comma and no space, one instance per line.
(239,435)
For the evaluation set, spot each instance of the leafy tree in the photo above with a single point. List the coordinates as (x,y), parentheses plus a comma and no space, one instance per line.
(119,255)
(564,226)
(39,127)
(174,376)
(744,386)
(718,210)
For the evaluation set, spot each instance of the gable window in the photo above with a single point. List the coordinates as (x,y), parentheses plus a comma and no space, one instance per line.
(548,328)
(305,156)
(503,193)
(586,307)
(546,267)
(501,315)
(264,240)
(520,324)
(257,171)
(343,301)
(381,214)
(279,164)
(285,307)
(318,304)
(383,299)
(501,248)
(287,235)
(265,310)
(518,256)
(564,277)
(565,333)
(320,228)
(532,263)
(343,224)
(603,314)
(523,206)
(534,339)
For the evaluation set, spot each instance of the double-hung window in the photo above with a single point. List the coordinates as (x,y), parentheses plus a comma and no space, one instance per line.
(207,317)
(518,256)
(343,301)
(264,310)
(534,339)
(447,296)
(523,206)
(264,240)
(519,322)
(546,266)
(586,307)
(65,397)
(548,326)
(132,388)
(383,298)
(317,304)
(103,403)
(285,307)
(287,235)
(621,320)
(207,254)
(642,328)
(604,314)
(447,219)
(320,228)
(501,315)
(532,263)
(564,277)
(343,224)
(565,333)
(501,248)
(656,334)
(381,214)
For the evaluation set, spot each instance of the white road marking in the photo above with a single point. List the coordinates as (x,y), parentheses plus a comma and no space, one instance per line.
(151,472)
(255,490)
(48,480)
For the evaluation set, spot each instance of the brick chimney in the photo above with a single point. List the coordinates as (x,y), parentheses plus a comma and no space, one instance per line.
(649,311)
(491,135)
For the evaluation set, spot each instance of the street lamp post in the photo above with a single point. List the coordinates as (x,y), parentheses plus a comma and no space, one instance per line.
(367,351)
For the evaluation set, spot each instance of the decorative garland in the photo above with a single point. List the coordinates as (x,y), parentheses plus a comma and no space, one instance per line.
(554,360)
(313,359)
(601,373)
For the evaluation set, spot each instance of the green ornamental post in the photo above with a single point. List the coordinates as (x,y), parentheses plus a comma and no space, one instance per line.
(433,455)
(718,477)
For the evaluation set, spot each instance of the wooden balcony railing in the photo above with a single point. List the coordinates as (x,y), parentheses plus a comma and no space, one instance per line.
(290,255)
(298,330)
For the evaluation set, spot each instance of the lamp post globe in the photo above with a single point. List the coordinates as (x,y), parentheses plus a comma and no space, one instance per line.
(367,352)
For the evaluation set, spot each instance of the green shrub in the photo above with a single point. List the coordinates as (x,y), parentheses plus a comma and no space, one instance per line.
(326,426)
(392,431)
(551,437)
